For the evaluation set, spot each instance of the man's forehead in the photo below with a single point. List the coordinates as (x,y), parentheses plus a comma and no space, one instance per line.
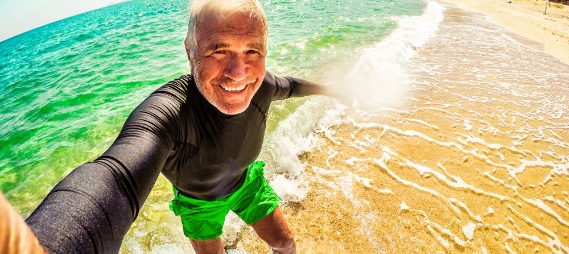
(237,21)
(216,33)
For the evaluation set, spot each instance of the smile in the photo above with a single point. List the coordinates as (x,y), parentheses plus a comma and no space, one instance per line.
(233,88)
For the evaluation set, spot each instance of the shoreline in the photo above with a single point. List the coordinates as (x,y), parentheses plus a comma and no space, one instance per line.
(525,18)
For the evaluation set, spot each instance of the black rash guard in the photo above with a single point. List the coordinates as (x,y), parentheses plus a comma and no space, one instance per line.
(176,131)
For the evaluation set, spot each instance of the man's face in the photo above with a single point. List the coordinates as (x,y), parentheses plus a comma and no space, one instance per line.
(229,63)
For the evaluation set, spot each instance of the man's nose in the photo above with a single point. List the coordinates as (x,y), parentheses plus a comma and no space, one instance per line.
(236,68)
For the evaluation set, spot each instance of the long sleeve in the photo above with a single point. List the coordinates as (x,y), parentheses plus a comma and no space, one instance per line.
(92,208)
(287,87)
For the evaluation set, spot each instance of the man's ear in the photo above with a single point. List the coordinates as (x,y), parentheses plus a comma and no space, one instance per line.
(188,54)
(187,49)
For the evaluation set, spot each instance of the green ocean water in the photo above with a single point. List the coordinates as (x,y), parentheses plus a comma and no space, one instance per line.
(67,87)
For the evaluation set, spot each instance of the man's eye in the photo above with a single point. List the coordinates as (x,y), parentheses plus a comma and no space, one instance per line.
(252,52)
(219,52)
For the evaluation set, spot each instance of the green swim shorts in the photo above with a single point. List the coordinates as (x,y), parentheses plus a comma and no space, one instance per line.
(203,220)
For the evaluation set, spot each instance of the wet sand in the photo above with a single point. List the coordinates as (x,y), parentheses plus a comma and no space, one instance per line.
(473,160)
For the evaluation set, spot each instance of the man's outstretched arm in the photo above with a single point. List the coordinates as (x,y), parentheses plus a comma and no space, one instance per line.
(92,208)
(287,87)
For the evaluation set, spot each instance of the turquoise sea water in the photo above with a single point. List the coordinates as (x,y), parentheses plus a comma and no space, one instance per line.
(67,87)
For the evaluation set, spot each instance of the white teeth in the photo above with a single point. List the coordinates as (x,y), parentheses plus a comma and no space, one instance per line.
(234,89)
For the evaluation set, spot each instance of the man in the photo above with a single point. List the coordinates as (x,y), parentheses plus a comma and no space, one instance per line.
(202,131)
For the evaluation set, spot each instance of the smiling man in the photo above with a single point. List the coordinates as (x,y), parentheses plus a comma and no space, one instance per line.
(226,47)
(227,56)
(203,131)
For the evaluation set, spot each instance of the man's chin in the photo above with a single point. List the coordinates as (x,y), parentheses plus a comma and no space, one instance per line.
(233,109)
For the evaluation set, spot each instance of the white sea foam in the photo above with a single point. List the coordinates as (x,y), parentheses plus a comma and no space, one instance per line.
(403,206)
(379,75)
(469,230)
(295,135)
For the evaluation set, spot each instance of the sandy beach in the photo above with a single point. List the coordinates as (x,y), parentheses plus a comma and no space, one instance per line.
(527,18)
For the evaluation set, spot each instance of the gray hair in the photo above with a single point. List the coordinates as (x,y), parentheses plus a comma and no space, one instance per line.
(223,9)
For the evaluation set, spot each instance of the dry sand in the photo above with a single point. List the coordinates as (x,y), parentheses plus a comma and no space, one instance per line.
(526,18)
